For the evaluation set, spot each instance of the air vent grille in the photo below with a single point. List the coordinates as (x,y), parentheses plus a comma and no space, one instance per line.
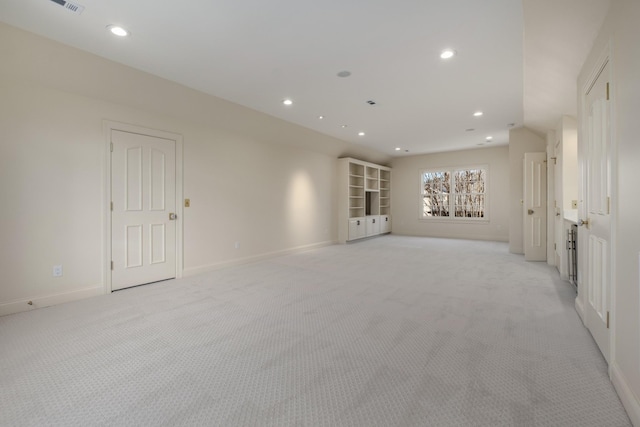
(71,6)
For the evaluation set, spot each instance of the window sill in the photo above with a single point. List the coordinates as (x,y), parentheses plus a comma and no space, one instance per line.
(483,221)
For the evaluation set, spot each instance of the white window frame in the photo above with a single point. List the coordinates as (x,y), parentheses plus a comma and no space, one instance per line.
(452,218)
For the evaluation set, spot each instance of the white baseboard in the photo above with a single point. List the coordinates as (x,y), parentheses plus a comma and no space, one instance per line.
(627,396)
(48,300)
(580,309)
(246,260)
(481,237)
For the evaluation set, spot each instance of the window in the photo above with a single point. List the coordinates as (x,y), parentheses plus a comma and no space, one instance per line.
(456,193)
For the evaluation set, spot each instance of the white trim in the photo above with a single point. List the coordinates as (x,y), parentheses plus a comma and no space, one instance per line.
(613,182)
(580,309)
(108,127)
(48,300)
(463,236)
(629,400)
(551,198)
(246,260)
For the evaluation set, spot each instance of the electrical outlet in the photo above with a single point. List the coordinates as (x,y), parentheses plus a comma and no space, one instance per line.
(187,203)
(57,271)
(574,204)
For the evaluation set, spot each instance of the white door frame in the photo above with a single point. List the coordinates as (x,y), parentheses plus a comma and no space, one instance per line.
(108,127)
(581,299)
(551,198)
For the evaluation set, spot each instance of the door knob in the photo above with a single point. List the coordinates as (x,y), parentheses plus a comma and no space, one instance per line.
(584,222)
(172,216)
(530,212)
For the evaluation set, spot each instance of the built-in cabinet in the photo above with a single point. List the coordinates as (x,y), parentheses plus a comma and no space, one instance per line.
(365,199)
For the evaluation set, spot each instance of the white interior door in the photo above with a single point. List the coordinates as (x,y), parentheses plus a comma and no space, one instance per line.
(535,207)
(594,267)
(143,226)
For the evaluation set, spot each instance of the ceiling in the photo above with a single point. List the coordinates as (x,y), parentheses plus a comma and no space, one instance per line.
(517,62)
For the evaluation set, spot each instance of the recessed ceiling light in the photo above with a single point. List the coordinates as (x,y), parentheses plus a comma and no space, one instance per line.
(343,126)
(489,138)
(117,30)
(320,117)
(287,102)
(344,73)
(478,113)
(447,53)
(360,133)
(398,148)
(469,130)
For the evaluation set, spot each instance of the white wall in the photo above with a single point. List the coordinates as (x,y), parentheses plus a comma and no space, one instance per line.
(251,178)
(567,129)
(621,29)
(521,140)
(406,201)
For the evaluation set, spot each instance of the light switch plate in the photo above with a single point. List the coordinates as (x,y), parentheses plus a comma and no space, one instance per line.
(574,204)
(57,271)
(187,203)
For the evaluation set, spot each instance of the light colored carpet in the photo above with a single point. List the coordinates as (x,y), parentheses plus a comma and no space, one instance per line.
(394,331)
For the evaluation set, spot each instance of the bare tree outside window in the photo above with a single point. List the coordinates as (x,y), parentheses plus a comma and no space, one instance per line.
(458,193)
(469,189)
(437,189)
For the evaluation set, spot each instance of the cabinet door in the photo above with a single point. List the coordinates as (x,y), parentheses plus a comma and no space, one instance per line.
(385,224)
(356,228)
(373,225)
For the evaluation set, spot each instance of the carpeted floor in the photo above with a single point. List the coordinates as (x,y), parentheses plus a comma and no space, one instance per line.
(393,331)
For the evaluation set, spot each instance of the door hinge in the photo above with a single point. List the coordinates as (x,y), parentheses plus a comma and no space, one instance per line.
(608,205)
(607,320)
(555,247)
(112,265)
(607,91)
(111,206)
(111,147)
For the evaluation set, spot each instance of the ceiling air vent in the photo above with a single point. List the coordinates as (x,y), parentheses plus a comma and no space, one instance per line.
(69,5)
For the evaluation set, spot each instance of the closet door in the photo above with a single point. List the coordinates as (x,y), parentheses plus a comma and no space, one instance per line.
(143,226)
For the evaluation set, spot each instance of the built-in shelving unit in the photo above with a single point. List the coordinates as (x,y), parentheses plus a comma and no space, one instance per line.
(357,198)
(365,199)
(373,182)
(385,192)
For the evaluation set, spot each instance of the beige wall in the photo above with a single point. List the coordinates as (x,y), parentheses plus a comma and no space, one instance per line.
(521,140)
(567,129)
(251,178)
(622,31)
(406,201)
